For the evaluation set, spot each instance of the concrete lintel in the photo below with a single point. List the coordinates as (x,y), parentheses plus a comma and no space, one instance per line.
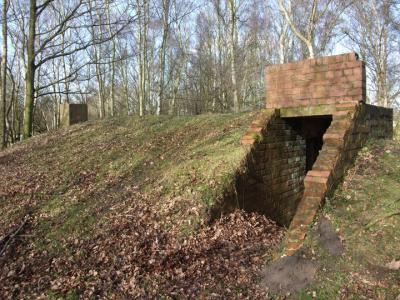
(303,111)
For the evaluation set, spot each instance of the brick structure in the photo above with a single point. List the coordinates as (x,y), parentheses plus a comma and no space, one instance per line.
(325,80)
(315,123)
(275,168)
(72,113)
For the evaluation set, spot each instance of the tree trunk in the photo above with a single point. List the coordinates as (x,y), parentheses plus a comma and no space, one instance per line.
(112,73)
(141,70)
(112,79)
(30,73)
(220,59)
(16,116)
(100,97)
(3,132)
(309,40)
(12,108)
(233,39)
(9,129)
(179,70)
(381,94)
(65,69)
(140,32)
(177,79)
(166,7)
(284,38)
(310,49)
(97,62)
(124,75)
(143,25)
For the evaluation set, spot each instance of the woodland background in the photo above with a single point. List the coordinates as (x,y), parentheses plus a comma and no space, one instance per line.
(183,57)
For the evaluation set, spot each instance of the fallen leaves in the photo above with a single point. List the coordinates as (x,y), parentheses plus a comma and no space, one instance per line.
(134,255)
(119,213)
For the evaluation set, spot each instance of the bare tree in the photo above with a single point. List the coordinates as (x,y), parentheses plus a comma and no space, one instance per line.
(3,105)
(313,22)
(372,33)
(284,37)
(30,69)
(112,60)
(143,23)
(97,31)
(166,5)
(48,44)
(232,48)
(83,50)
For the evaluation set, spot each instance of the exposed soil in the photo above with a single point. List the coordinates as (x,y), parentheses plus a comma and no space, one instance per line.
(329,238)
(290,273)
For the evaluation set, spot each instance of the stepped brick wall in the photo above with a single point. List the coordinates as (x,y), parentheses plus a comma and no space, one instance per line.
(351,127)
(325,80)
(274,180)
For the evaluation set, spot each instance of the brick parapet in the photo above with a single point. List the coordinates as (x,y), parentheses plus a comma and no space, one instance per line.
(326,80)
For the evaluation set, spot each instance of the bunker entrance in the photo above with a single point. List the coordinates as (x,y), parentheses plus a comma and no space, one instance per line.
(311,129)
(272,181)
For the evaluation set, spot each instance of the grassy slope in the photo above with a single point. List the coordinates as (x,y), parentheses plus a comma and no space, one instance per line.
(88,168)
(365,210)
(140,187)
(102,191)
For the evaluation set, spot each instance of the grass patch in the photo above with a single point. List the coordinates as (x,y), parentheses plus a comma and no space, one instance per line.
(83,171)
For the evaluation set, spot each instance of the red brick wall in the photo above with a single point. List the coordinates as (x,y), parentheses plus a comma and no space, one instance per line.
(271,181)
(277,165)
(325,80)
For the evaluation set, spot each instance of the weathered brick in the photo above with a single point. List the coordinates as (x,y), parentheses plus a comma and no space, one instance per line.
(313,173)
(301,83)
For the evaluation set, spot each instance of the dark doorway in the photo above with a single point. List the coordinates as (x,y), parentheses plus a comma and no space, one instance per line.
(312,130)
